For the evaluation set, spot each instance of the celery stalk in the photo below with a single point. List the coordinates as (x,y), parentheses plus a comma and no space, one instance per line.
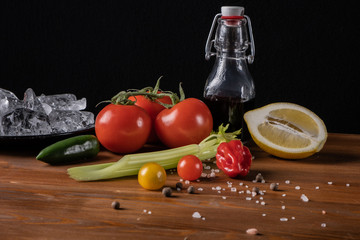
(130,164)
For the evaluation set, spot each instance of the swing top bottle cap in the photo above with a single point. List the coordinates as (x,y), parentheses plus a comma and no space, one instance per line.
(232,11)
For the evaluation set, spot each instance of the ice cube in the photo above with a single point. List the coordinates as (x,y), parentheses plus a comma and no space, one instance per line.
(65,101)
(68,121)
(32,102)
(46,108)
(23,121)
(6,94)
(8,101)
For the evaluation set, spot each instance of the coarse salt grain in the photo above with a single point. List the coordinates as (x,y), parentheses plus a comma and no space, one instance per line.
(287,181)
(304,198)
(187,182)
(241,183)
(217,170)
(284,195)
(330,183)
(196,215)
(248,198)
(323,225)
(264,214)
(200,189)
(252,231)
(149,212)
(348,184)
(297,187)
(212,175)
(263,203)
(233,189)
(283,219)
(317,187)
(224,197)
(293,218)
(283,207)
(203,175)
(218,188)
(203,218)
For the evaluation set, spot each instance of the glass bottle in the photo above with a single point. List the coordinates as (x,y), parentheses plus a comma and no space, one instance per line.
(229,90)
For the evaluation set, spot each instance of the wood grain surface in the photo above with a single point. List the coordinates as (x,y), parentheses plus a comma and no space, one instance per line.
(39,201)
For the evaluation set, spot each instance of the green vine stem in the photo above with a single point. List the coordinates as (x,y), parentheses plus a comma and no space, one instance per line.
(152,93)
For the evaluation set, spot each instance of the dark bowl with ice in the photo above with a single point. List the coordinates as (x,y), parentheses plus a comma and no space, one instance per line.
(38,121)
(38,142)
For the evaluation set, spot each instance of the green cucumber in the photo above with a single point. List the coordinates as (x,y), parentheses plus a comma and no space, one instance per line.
(70,150)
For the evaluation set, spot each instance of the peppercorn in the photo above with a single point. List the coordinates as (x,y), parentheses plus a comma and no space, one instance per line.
(256,190)
(274,186)
(166,191)
(259,178)
(115,205)
(179,186)
(191,189)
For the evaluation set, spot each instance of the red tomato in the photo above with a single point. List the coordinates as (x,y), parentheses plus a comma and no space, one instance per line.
(189,167)
(152,108)
(122,128)
(188,122)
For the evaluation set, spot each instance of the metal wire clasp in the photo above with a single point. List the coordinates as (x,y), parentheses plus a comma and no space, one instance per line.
(209,43)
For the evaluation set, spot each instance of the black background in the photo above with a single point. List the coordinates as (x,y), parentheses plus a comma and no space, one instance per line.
(306,51)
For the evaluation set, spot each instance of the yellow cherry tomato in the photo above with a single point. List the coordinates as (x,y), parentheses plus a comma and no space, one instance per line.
(152,176)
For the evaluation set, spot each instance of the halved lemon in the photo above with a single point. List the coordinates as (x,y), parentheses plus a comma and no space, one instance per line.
(286,130)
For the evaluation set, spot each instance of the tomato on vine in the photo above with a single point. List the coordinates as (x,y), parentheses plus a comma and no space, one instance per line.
(153,106)
(126,123)
(187,122)
(122,128)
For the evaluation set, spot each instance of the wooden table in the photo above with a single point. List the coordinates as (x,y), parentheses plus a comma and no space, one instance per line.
(39,201)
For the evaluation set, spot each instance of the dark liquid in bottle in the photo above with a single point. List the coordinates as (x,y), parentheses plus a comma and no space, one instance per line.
(230,110)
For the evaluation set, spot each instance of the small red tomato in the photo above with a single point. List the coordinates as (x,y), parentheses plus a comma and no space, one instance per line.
(189,167)
(188,122)
(122,128)
(152,108)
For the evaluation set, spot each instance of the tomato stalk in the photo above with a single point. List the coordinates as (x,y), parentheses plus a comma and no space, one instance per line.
(130,164)
(153,94)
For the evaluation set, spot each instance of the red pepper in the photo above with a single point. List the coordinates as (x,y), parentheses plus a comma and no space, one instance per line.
(233,158)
